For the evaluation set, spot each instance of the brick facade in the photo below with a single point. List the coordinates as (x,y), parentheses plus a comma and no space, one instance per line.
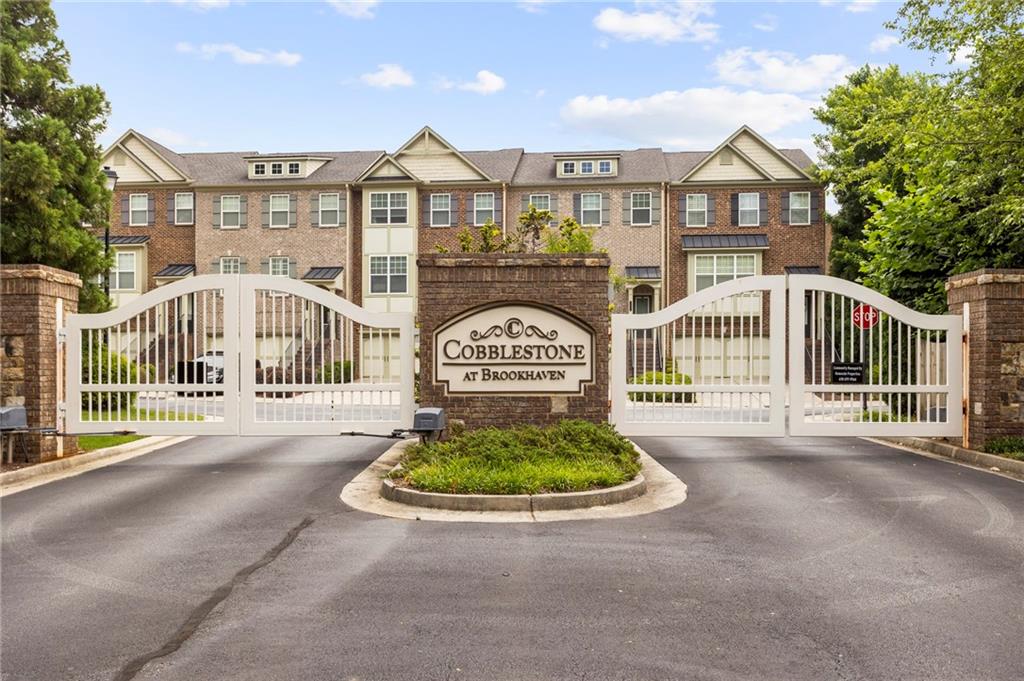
(31,360)
(577,286)
(168,243)
(432,237)
(995,389)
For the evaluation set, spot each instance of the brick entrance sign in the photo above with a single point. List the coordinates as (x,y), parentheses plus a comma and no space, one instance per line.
(514,339)
(995,386)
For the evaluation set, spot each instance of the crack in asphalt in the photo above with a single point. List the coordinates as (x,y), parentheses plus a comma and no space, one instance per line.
(202,611)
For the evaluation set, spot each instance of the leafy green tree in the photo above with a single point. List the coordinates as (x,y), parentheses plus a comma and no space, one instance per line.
(488,239)
(52,180)
(570,237)
(532,224)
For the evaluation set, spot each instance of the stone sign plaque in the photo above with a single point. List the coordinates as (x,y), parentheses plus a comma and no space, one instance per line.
(513,348)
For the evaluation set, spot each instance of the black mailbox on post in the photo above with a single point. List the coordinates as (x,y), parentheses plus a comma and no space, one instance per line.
(428,423)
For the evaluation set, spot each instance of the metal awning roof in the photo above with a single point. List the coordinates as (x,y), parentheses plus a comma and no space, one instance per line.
(644,272)
(130,240)
(802,269)
(725,241)
(180,270)
(323,273)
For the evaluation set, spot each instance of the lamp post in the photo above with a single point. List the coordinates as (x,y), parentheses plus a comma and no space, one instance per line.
(111,183)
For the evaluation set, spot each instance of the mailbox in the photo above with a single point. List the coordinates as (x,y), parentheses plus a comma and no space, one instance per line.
(13,418)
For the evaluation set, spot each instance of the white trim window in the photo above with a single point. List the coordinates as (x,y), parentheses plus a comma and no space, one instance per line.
(483,208)
(590,209)
(586,167)
(293,168)
(230,265)
(184,208)
(713,269)
(696,210)
(568,167)
(280,206)
(799,208)
(122,273)
(604,167)
(749,209)
(276,168)
(259,169)
(280,266)
(230,212)
(389,208)
(640,209)
(330,210)
(540,201)
(138,210)
(389,274)
(440,210)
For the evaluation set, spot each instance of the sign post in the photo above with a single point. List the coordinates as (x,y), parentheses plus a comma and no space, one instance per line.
(864,317)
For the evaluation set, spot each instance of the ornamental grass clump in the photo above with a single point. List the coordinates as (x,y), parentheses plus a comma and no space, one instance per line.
(570,456)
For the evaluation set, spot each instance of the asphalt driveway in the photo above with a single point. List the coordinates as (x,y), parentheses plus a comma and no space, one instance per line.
(225,558)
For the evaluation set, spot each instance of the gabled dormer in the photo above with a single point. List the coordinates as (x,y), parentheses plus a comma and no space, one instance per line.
(283,167)
(745,156)
(138,159)
(584,165)
(431,158)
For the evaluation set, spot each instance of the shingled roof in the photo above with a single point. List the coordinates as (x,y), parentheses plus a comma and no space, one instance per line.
(231,168)
(636,166)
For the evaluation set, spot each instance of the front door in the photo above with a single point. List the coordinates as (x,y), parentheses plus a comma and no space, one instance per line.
(642,304)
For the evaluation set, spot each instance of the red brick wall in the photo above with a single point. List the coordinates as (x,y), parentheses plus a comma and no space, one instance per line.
(168,243)
(431,237)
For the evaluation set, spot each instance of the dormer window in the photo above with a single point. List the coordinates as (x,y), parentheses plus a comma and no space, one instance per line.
(293,168)
(569,167)
(259,168)
(587,167)
(604,167)
(276,168)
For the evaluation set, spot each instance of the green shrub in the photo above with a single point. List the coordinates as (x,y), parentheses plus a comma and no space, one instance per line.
(1010,446)
(661,378)
(106,366)
(882,417)
(335,372)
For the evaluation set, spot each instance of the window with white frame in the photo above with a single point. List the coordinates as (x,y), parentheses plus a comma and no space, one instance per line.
(280,204)
(590,209)
(280,266)
(230,265)
(483,208)
(540,201)
(138,208)
(230,211)
(293,168)
(389,274)
(259,168)
(750,211)
(640,209)
(122,274)
(586,167)
(330,210)
(184,208)
(604,167)
(696,210)
(713,269)
(276,168)
(568,167)
(440,210)
(799,208)
(389,208)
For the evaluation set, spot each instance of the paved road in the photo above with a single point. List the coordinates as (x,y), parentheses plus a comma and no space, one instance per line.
(792,559)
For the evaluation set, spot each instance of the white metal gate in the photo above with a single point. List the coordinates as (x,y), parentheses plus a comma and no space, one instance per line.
(239,355)
(710,364)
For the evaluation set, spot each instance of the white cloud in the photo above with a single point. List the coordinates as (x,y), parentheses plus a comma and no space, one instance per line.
(534,6)
(240,55)
(659,22)
(767,23)
(203,5)
(963,56)
(356,9)
(176,140)
(388,76)
(861,5)
(694,118)
(486,83)
(883,42)
(782,71)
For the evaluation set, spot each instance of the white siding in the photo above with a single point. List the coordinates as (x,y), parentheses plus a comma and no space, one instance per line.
(765,157)
(155,163)
(714,171)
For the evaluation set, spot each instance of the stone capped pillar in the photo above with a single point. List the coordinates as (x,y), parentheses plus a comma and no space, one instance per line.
(993,301)
(31,359)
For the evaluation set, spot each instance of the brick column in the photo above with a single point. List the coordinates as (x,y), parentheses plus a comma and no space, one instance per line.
(995,306)
(32,367)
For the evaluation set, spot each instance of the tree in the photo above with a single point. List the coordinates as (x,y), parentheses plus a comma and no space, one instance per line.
(52,180)
(532,223)
(570,237)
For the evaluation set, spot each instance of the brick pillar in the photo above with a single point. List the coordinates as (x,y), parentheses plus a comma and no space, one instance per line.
(995,306)
(32,367)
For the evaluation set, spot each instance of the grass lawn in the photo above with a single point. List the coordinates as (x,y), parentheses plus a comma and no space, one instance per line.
(1010,446)
(88,443)
(571,456)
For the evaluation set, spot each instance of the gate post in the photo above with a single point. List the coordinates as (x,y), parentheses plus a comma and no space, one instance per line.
(995,380)
(31,299)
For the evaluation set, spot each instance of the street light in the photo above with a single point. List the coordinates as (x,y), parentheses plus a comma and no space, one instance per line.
(111,183)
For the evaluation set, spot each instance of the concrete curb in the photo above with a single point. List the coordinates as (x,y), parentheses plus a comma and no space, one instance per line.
(991,462)
(562,501)
(94,459)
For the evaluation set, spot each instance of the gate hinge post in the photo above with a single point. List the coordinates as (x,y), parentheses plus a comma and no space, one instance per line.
(62,335)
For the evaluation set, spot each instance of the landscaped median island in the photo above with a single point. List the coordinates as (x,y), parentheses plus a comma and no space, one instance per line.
(521,464)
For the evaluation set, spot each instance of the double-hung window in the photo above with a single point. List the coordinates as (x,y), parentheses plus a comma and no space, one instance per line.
(640,209)
(711,270)
(389,208)
(799,208)
(590,209)
(230,211)
(541,201)
(279,266)
(440,210)
(604,167)
(279,208)
(138,207)
(230,265)
(749,208)
(184,208)
(696,210)
(483,208)
(293,168)
(330,210)
(586,167)
(568,167)
(122,274)
(389,274)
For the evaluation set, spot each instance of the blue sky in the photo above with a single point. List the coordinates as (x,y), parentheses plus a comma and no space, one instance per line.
(218,75)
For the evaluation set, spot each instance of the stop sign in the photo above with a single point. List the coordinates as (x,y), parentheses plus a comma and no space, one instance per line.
(864,316)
